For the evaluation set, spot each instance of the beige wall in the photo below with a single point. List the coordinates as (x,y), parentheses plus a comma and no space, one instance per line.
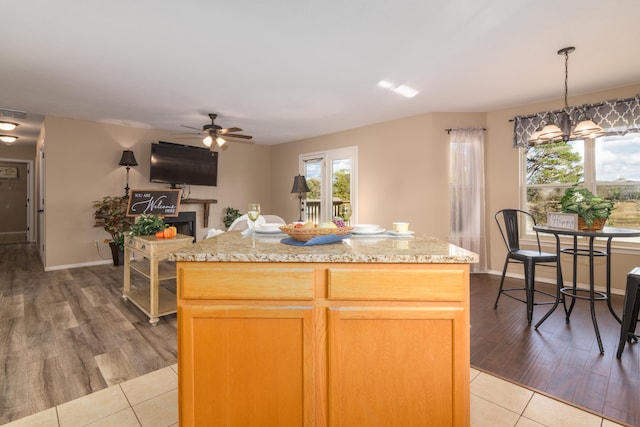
(402,169)
(503,186)
(403,173)
(82,166)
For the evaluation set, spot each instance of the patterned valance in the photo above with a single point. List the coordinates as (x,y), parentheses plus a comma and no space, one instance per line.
(616,117)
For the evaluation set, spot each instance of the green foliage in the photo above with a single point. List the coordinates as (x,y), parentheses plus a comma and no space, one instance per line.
(314,189)
(342,185)
(146,225)
(230,215)
(582,202)
(553,163)
(110,214)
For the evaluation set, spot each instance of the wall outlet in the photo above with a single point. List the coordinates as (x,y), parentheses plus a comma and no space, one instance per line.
(96,243)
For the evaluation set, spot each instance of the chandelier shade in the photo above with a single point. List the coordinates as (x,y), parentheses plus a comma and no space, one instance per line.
(562,129)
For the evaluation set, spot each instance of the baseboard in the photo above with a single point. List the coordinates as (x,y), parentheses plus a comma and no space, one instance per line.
(82,264)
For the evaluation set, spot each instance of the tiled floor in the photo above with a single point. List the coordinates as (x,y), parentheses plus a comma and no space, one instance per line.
(152,401)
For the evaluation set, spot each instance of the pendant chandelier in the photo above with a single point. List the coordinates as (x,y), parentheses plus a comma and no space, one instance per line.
(562,129)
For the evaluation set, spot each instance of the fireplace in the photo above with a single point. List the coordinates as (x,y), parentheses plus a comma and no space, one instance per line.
(185,223)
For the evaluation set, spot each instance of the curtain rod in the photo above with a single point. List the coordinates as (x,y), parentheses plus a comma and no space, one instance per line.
(597,104)
(449,130)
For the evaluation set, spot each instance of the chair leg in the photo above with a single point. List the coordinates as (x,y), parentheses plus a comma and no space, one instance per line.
(504,272)
(630,303)
(529,273)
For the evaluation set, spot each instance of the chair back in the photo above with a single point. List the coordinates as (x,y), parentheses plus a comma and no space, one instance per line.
(508,224)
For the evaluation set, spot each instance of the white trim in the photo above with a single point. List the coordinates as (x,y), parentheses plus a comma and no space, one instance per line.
(82,264)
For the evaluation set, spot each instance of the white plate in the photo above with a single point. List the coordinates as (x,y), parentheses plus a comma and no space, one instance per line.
(269,228)
(369,231)
(398,233)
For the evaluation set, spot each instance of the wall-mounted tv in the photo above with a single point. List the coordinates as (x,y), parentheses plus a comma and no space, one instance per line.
(178,164)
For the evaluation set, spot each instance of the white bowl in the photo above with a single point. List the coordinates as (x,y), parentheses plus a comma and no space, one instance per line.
(365,228)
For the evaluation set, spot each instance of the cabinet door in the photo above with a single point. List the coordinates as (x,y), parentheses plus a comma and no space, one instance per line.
(398,366)
(247,366)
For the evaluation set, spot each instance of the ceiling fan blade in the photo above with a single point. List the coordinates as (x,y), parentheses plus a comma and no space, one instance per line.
(237,135)
(186,133)
(191,127)
(227,130)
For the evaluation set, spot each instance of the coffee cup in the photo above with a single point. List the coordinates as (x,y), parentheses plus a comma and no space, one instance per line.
(401,227)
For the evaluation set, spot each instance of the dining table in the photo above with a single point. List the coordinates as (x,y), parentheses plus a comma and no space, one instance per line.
(575,292)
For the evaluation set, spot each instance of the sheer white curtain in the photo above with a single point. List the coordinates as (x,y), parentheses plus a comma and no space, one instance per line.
(466,182)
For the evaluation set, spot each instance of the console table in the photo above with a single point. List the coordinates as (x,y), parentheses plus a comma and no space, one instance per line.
(154,301)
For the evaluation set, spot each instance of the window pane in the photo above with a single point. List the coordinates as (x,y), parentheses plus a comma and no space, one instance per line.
(549,165)
(618,177)
(313,174)
(560,162)
(618,158)
(341,178)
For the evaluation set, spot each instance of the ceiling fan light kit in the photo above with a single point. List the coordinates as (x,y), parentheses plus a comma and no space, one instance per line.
(561,128)
(213,132)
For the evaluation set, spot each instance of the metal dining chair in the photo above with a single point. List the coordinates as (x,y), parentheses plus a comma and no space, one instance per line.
(509,221)
(630,311)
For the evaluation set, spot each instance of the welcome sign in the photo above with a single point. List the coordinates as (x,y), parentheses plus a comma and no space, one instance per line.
(154,202)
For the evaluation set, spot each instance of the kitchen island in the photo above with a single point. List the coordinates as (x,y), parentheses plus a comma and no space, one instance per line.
(367,331)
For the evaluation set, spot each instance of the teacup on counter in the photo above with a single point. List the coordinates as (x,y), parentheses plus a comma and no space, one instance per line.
(401,227)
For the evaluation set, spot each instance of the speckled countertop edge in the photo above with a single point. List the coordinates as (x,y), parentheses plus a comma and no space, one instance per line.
(233,247)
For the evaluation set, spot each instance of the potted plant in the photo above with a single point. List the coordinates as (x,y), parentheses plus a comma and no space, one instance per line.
(111,214)
(147,224)
(230,215)
(592,211)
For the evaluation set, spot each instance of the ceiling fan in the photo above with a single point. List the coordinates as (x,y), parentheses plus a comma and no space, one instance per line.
(213,132)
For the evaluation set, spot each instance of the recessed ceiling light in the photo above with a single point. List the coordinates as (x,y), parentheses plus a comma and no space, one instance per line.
(8,125)
(8,139)
(406,91)
(403,90)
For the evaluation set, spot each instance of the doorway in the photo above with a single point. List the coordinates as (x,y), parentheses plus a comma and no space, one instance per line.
(15,195)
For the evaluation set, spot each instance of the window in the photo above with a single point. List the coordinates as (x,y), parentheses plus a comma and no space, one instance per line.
(608,166)
(332,179)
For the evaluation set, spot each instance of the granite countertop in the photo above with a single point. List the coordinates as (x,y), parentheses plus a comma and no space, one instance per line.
(233,247)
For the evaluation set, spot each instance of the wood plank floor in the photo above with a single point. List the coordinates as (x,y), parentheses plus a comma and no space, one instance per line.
(68,333)
(560,359)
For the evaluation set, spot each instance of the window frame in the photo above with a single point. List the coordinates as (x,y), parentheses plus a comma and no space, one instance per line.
(590,182)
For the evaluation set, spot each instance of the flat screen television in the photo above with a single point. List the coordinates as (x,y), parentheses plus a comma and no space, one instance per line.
(178,164)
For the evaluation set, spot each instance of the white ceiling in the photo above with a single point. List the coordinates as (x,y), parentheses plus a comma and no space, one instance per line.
(283,70)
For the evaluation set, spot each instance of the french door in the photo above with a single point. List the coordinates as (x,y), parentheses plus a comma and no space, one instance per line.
(332,179)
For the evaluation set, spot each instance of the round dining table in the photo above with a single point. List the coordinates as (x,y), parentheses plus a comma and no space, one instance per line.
(574,292)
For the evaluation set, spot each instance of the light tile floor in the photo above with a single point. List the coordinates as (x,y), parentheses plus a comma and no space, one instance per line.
(152,401)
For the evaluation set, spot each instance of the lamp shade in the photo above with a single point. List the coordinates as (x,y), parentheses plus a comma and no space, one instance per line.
(300,185)
(128,159)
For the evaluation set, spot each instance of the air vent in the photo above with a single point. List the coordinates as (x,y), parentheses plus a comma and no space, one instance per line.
(14,114)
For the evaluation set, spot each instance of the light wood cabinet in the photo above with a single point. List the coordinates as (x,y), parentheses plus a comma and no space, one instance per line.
(323,344)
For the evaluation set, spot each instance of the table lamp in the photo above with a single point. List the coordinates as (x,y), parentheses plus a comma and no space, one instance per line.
(300,186)
(128,160)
